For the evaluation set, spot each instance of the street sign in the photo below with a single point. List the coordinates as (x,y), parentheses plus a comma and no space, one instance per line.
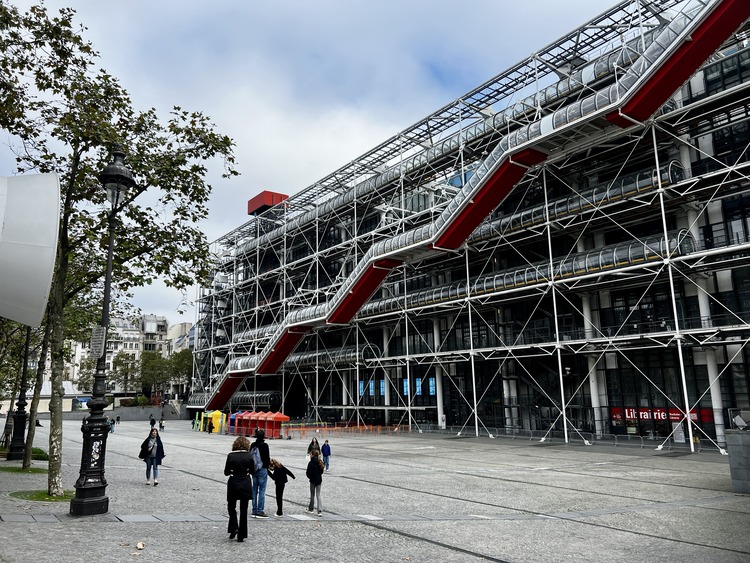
(98,341)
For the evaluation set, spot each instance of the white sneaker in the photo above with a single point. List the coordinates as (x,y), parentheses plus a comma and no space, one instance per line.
(148,482)
(320,513)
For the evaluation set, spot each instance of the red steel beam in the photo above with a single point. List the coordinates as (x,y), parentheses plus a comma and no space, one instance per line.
(703,41)
(488,198)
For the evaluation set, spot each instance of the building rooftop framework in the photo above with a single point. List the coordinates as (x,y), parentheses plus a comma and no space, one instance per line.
(563,249)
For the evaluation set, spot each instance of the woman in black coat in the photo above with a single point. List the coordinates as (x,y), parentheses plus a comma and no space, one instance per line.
(315,474)
(152,452)
(239,468)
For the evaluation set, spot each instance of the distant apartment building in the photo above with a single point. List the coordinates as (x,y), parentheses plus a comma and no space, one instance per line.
(154,332)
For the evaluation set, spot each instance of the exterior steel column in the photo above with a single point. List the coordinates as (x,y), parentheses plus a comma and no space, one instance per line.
(588,328)
(704,307)
(438,377)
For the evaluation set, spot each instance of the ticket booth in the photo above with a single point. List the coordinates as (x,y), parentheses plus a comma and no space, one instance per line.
(252,423)
(237,424)
(262,417)
(244,424)
(276,420)
(216,418)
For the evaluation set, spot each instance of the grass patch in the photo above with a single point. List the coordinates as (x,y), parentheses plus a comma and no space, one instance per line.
(22,470)
(36,453)
(43,496)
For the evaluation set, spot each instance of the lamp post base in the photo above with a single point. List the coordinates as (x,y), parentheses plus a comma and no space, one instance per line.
(91,485)
(89,506)
(18,443)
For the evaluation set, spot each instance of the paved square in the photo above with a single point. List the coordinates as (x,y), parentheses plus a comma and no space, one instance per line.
(393,498)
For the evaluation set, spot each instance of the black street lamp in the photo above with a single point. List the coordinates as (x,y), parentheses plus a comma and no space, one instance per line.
(18,442)
(91,484)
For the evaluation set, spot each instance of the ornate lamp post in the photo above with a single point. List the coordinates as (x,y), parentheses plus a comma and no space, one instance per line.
(18,442)
(91,484)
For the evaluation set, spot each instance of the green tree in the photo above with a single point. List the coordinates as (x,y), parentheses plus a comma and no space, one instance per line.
(125,371)
(155,371)
(66,116)
(86,372)
(182,367)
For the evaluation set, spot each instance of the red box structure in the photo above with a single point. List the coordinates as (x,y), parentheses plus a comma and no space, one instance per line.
(264,201)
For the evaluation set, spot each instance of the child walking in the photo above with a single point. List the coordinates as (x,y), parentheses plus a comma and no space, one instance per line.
(326,451)
(315,474)
(278,473)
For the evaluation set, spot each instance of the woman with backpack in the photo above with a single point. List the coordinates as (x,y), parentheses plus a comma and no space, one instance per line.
(261,474)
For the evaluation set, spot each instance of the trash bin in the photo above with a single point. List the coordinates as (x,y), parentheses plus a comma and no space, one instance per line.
(738,448)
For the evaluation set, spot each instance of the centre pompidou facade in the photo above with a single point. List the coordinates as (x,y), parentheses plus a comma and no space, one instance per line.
(562,252)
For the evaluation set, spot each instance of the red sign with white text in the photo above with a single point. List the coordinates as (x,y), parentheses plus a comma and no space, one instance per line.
(671,414)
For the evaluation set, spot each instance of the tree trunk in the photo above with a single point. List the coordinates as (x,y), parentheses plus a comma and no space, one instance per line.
(55,317)
(41,363)
(8,431)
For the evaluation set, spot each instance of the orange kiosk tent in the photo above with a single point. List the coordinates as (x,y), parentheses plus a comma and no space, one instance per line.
(252,422)
(261,418)
(238,420)
(245,423)
(274,421)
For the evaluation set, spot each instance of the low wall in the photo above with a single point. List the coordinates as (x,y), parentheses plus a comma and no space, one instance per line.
(172,411)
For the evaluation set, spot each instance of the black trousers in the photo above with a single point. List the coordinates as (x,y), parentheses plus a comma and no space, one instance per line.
(280,498)
(235,526)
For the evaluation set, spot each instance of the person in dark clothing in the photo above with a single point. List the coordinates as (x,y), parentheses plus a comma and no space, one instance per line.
(261,476)
(152,452)
(315,474)
(279,473)
(239,468)
(313,445)
(151,420)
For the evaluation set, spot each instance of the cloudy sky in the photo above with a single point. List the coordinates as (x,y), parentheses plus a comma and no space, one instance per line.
(304,87)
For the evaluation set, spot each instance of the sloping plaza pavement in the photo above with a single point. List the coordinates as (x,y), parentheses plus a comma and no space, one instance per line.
(410,497)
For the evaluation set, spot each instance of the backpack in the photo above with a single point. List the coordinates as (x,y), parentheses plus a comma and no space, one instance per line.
(257,462)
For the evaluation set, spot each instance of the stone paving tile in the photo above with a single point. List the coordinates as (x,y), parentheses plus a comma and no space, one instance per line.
(403,517)
(367,517)
(137,518)
(215,517)
(16,518)
(180,518)
(46,518)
